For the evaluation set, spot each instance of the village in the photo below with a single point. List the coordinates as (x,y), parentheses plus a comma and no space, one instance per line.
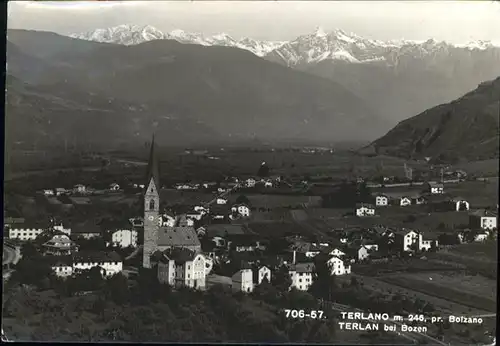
(245,230)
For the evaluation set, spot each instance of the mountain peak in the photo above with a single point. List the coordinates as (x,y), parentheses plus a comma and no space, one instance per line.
(320,32)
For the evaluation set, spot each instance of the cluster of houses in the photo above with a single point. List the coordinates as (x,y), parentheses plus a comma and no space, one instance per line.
(78,189)
(433,195)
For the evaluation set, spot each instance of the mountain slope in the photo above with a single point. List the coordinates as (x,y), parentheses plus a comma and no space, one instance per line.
(465,128)
(397,78)
(230,92)
(49,116)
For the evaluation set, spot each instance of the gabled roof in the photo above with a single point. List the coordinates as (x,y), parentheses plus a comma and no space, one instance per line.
(303,267)
(91,256)
(483,213)
(177,237)
(153,166)
(180,255)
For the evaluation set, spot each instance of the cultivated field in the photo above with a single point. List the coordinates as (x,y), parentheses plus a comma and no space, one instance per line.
(444,290)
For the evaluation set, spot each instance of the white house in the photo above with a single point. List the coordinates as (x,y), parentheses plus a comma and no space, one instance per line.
(381,200)
(301,275)
(110,263)
(25,232)
(182,267)
(114,187)
(124,238)
(337,266)
(250,182)
(263,272)
(268,183)
(435,188)
(62,266)
(363,251)
(405,201)
(60,228)
(55,243)
(460,204)
(60,191)
(195,216)
(80,188)
(411,240)
(243,281)
(483,219)
(365,210)
(48,192)
(221,200)
(241,209)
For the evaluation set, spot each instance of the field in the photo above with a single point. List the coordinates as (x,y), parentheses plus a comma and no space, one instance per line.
(444,290)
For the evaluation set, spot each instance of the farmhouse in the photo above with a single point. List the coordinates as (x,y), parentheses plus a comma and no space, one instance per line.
(301,275)
(60,191)
(435,188)
(110,263)
(221,200)
(55,243)
(124,238)
(459,204)
(79,188)
(365,210)
(27,230)
(250,182)
(48,192)
(114,187)
(381,200)
(241,209)
(182,267)
(483,219)
(242,281)
(337,266)
(86,230)
(263,273)
(405,201)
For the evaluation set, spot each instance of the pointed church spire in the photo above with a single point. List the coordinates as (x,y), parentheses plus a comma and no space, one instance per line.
(153,165)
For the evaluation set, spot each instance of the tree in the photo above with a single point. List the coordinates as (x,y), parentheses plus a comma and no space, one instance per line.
(116,289)
(29,251)
(242,199)
(263,170)
(324,283)
(32,272)
(86,280)
(281,279)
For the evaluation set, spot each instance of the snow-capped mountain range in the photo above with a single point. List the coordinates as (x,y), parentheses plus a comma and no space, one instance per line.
(310,48)
(135,34)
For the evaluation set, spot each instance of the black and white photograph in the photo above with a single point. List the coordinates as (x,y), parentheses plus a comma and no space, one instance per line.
(272,172)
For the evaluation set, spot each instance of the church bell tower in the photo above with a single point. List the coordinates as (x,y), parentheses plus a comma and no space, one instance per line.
(151,207)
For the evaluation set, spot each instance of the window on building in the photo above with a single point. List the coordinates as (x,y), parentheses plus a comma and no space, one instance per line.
(151,204)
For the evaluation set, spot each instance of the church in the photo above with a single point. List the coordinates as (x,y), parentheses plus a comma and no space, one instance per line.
(158,238)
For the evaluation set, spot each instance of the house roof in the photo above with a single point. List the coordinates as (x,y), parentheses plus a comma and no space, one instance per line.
(222,230)
(303,267)
(177,237)
(47,235)
(435,184)
(180,255)
(55,261)
(87,227)
(153,166)
(96,256)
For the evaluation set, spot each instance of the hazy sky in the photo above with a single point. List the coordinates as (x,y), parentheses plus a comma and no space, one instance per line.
(457,22)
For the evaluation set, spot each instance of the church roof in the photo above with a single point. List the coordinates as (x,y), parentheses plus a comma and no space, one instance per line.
(153,166)
(177,237)
(180,255)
